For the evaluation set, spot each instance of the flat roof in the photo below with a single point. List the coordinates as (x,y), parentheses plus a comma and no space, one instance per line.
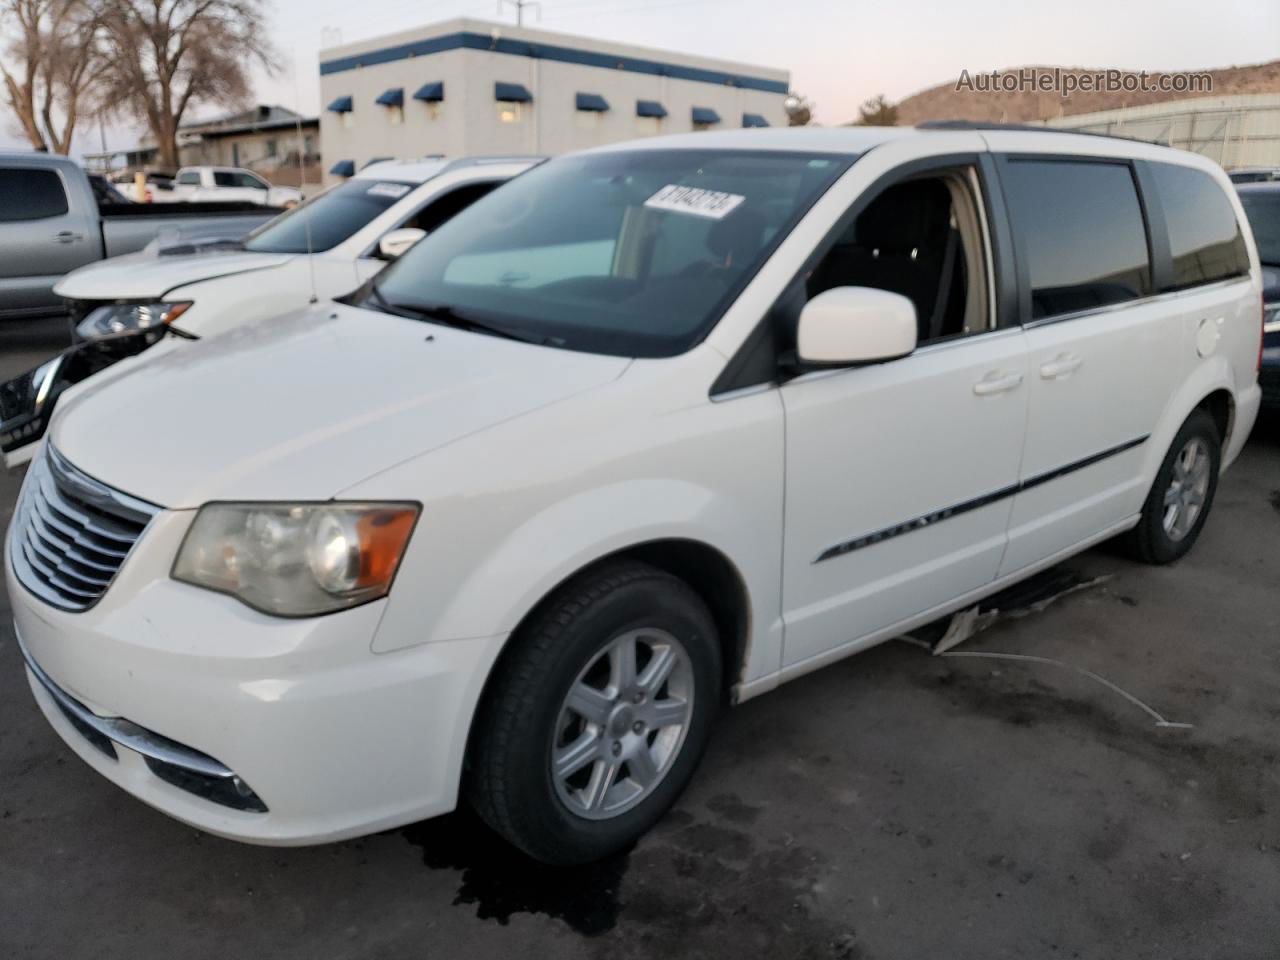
(465,33)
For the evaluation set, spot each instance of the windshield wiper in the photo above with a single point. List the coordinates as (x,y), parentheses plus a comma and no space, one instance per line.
(386,306)
(451,317)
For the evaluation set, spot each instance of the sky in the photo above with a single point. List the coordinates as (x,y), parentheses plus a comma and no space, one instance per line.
(839,52)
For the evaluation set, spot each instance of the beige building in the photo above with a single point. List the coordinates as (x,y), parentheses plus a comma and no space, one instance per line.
(465,87)
(268,139)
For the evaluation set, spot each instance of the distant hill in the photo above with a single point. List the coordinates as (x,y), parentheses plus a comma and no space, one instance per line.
(945,102)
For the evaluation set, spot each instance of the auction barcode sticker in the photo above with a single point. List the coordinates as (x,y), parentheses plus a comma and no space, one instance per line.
(701,203)
(393,190)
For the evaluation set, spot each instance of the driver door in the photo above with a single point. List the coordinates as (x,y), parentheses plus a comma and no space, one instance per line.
(899,475)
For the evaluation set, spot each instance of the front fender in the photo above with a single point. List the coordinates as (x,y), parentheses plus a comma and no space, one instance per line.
(566,536)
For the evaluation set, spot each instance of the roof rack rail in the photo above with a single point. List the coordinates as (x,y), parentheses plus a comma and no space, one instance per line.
(1024,127)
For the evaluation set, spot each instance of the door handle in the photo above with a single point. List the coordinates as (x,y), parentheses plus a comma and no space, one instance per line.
(66,236)
(1063,365)
(997,382)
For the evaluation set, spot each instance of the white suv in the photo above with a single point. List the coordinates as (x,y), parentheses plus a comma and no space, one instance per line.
(647,429)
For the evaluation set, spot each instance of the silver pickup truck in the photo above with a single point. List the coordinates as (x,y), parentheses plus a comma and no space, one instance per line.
(51,222)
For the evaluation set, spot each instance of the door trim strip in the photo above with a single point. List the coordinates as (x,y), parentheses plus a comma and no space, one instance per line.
(937,516)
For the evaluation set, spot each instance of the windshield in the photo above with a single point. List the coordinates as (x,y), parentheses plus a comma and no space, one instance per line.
(632,253)
(1263,211)
(333,216)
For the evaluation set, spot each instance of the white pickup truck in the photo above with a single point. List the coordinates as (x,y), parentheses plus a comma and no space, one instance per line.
(231,183)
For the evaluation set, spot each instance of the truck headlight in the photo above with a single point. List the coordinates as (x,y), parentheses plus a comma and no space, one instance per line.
(296,560)
(122,319)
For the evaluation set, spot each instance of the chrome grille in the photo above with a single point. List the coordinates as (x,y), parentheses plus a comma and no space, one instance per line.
(71,533)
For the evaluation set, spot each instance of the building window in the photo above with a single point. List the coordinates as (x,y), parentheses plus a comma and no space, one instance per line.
(510,112)
(395,115)
(271,148)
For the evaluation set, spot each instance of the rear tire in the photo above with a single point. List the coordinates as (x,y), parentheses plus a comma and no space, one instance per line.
(597,715)
(1182,494)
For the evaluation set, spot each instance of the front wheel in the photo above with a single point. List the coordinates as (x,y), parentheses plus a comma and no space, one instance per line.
(1180,499)
(598,715)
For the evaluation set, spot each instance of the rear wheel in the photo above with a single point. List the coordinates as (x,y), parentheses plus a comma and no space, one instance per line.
(1180,499)
(598,715)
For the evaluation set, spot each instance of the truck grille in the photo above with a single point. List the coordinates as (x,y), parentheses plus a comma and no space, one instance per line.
(71,533)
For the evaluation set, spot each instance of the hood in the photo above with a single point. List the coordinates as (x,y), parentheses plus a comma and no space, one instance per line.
(139,275)
(305,406)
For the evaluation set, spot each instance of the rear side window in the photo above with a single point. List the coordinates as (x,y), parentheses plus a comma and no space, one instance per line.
(189,178)
(1079,232)
(31,195)
(1204,235)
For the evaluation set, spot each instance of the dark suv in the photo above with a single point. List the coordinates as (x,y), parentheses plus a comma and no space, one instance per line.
(1262,206)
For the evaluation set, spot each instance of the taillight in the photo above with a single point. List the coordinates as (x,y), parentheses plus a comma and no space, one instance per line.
(1262,329)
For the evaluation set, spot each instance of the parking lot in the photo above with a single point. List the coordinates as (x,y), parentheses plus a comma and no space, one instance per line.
(895,805)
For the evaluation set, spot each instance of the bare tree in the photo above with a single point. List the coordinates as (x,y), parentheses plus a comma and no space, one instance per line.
(166,55)
(56,54)
(877,112)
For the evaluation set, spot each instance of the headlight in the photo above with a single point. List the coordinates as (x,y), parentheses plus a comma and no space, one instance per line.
(43,379)
(296,560)
(1271,317)
(122,319)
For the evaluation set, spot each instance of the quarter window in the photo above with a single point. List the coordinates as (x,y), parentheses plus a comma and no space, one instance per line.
(1204,237)
(1080,234)
(31,195)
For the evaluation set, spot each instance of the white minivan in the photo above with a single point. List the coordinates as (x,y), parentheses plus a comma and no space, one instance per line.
(650,428)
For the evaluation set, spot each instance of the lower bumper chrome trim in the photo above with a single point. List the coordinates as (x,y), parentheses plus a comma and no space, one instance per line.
(126,733)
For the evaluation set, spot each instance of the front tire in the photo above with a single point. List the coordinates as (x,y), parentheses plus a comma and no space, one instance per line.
(1182,495)
(598,714)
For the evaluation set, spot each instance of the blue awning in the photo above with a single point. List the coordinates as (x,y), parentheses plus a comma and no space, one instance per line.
(343,168)
(754,120)
(591,101)
(341,105)
(392,98)
(705,115)
(650,108)
(512,93)
(430,93)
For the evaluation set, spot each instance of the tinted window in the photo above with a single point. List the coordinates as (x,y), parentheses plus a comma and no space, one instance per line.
(1263,210)
(330,217)
(630,253)
(1079,231)
(31,195)
(1204,237)
(445,208)
(189,179)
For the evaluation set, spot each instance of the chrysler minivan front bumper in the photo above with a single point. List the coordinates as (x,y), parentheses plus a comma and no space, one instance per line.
(261,729)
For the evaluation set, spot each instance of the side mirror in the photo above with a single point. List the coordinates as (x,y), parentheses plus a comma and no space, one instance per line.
(396,243)
(850,325)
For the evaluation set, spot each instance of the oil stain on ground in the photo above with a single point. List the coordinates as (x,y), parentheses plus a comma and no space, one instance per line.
(1275,499)
(706,885)
(500,881)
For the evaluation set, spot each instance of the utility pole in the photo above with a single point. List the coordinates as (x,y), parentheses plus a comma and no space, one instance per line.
(520,5)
